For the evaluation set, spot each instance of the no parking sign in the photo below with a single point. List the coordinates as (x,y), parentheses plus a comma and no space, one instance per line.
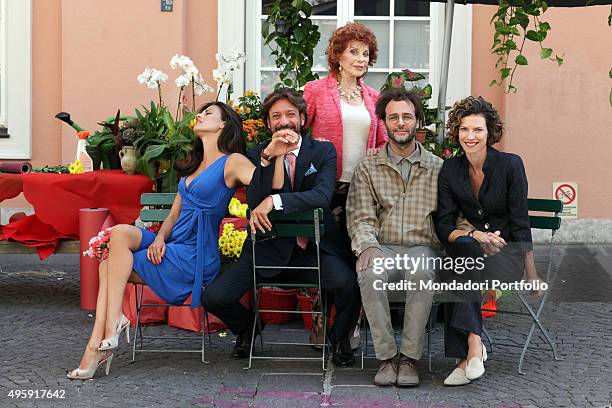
(567,193)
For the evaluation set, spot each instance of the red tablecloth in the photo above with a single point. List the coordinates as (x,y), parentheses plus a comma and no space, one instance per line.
(57,198)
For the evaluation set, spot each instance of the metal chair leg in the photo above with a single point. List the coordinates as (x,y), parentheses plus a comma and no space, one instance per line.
(489,339)
(137,329)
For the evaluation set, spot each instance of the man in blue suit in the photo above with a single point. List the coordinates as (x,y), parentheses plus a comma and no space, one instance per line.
(309,170)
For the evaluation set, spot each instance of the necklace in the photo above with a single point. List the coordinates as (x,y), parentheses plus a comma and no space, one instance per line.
(349,94)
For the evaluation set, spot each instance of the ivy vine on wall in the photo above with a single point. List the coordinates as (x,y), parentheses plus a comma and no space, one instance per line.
(295,37)
(515,22)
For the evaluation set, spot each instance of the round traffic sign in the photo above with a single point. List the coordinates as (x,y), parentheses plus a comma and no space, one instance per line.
(565,193)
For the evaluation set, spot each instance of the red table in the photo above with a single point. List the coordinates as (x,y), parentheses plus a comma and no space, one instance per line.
(57,198)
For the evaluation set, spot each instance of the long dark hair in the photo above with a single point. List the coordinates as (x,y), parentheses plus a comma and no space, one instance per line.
(231,140)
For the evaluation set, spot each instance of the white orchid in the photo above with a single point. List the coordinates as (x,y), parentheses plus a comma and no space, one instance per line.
(182,81)
(192,72)
(182,61)
(159,76)
(144,77)
(200,86)
(152,77)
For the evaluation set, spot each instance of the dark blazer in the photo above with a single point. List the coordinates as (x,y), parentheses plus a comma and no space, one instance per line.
(311,191)
(501,203)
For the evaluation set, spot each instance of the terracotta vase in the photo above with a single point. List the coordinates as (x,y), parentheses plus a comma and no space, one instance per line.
(128,159)
(421,134)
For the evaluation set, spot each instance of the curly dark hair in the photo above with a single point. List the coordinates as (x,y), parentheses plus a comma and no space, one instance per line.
(475,105)
(340,39)
(397,95)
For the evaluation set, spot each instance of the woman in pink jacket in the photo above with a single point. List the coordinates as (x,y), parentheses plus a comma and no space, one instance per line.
(341,106)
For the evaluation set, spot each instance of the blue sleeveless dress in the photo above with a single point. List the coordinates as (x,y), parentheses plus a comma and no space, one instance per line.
(192,255)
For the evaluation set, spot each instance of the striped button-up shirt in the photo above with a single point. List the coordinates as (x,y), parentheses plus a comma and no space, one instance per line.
(383,210)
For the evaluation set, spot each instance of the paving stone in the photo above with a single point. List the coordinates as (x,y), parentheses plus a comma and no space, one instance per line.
(44,333)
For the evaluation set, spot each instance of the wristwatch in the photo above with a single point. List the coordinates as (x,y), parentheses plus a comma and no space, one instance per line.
(265,156)
(471,233)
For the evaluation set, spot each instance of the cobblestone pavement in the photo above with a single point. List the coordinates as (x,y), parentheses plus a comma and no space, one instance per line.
(43,332)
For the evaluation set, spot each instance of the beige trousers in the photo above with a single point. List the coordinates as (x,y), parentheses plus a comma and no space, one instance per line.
(417,302)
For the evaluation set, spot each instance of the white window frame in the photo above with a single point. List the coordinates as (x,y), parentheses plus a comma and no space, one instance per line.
(2,63)
(16,43)
(234,24)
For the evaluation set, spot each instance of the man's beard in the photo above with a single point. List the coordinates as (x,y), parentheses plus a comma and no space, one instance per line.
(297,129)
(409,139)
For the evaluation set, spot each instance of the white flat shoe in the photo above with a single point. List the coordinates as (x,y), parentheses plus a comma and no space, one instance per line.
(475,367)
(457,377)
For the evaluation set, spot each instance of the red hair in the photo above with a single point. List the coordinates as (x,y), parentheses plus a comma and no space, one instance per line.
(340,40)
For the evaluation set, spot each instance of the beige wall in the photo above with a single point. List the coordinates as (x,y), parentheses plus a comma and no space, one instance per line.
(560,120)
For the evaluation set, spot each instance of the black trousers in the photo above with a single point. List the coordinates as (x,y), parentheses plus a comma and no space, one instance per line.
(463,314)
(338,278)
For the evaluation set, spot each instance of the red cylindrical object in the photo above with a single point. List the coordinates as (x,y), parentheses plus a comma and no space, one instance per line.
(91,221)
(15,167)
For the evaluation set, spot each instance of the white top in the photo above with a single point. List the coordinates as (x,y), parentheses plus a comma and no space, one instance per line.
(355,131)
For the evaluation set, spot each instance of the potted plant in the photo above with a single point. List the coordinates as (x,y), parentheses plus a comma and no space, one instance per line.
(249,109)
(161,139)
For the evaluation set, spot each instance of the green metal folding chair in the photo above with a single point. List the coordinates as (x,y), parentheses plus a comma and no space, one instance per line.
(546,222)
(299,224)
(156,207)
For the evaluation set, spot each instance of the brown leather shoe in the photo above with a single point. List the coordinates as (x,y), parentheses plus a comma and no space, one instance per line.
(387,372)
(407,375)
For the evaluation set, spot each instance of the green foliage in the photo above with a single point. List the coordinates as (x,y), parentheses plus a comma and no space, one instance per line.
(249,108)
(293,53)
(162,139)
(515,22)
(398,80)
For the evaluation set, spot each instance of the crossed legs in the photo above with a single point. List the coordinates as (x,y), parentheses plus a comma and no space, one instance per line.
(113,276)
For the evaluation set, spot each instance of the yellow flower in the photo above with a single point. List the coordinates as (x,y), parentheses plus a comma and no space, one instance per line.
(76,167)
(193,123)
(249,93)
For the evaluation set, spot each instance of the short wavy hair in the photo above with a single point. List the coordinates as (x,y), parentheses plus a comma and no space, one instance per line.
(290,95)
(340,39)
(475,105)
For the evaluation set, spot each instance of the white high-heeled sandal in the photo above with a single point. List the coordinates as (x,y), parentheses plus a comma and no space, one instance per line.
(475,367)
(88,373)
(113,341)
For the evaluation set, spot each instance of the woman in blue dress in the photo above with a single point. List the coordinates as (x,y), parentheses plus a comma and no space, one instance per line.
(183,255)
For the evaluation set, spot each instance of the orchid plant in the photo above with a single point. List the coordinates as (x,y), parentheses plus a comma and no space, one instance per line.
(166,139)
(224,74)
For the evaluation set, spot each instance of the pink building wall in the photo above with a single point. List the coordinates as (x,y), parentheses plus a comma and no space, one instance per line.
(560,120)
(86,55)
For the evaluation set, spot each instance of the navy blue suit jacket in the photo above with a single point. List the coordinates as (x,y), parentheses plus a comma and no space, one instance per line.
(310,191)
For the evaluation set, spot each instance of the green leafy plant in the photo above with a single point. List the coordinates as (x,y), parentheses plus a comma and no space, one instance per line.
(515,22)
(290,28)
(161,142)
(249,108)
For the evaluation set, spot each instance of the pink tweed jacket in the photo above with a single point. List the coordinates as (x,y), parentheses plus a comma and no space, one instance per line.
(324,113)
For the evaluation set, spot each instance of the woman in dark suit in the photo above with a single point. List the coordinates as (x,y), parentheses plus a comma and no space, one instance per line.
(489,188)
